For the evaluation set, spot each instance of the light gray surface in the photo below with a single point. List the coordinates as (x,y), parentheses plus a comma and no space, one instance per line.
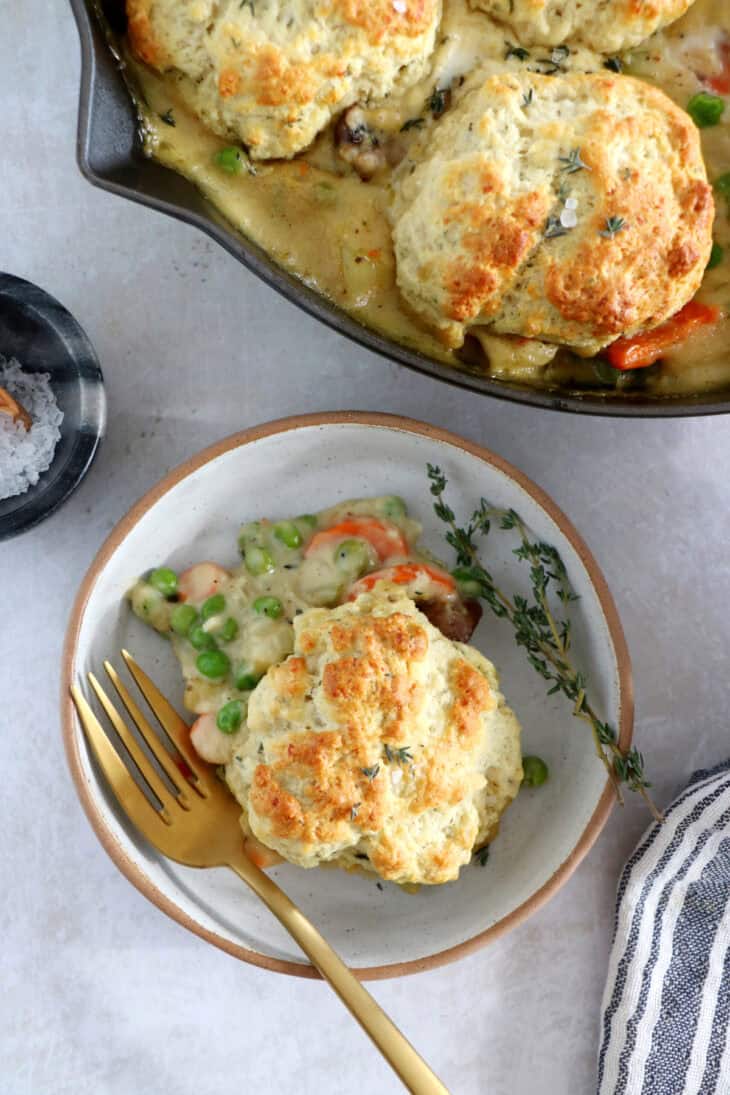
(101,993)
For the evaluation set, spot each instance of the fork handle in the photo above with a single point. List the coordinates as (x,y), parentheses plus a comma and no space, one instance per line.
(394,1046)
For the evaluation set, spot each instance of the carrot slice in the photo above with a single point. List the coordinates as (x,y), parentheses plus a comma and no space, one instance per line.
(438,582)
(721,82)
(646,348)
(385,538)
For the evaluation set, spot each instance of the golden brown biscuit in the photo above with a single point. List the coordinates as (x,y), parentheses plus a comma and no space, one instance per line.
(571,209)
(273,74)
(607,26)
(378,743)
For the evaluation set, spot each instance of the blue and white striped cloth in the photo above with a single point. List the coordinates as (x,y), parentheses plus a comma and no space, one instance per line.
(666,1007)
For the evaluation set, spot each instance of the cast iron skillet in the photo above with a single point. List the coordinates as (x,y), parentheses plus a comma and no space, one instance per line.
(110,156)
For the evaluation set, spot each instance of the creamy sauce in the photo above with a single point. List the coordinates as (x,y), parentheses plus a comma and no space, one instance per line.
(245,613)
(317,219)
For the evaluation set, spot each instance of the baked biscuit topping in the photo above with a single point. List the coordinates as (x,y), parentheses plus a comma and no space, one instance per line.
(608,26)
(273,74)
(574,209)
(379,743)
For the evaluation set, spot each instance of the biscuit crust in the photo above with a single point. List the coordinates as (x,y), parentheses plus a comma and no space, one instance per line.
(608,26)
(378,744)
(273,74)
(573,209)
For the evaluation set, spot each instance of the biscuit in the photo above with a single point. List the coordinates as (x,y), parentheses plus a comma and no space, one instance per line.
(273,74)
(573,209)
(377,744)
(607,26)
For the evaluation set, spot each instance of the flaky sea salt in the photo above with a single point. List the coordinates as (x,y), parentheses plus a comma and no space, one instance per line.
(25,454)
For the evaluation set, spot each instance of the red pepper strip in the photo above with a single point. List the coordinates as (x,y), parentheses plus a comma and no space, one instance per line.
(645,349)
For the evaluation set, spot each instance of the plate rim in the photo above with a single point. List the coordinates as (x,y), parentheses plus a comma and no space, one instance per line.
(378,420)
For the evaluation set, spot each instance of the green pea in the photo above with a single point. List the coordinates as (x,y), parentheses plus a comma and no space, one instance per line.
(722,185)
(258,560)
(164,581)
(705,109)
(394,507)
(213,606)
(288,533)
(229,631)
(245,679)
(182,619)
(352,556)
(201,639)
(469,586)
(535,771)
(268,606)
(717,254)
(213,663)
(230,159)
(229,717)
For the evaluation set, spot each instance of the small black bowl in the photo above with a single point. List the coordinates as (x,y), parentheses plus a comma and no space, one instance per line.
(45,338)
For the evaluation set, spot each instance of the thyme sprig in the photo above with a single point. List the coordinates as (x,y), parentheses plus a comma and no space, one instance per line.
(544,634)
(613,225)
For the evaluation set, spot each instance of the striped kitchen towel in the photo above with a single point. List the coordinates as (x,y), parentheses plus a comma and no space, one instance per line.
(666,1006)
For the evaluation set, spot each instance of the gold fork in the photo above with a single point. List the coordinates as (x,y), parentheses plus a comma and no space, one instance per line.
(197,825)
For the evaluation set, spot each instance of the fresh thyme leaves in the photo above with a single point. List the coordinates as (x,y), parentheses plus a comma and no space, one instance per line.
(544,634)
(371,773)
(613,225)
(402,755)
(573,162)
(168,118)
(412,123)
(482,855)
(516,51)
(613,64)
(528,97)
(439,101)
(554,228)
(354,811)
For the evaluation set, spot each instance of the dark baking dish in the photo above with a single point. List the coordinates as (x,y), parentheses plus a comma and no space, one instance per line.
(110,156)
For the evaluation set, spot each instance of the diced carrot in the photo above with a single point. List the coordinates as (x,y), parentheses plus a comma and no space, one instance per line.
(385,538)
(375,253)
(721,82)
(646,348)
(435,582)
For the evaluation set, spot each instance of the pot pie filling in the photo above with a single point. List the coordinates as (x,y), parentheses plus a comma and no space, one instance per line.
(326,213)
(332,684)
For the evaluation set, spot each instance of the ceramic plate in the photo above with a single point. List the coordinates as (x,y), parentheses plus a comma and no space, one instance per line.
(308,463)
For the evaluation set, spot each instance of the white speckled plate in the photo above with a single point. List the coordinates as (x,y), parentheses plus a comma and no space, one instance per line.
(303,464)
